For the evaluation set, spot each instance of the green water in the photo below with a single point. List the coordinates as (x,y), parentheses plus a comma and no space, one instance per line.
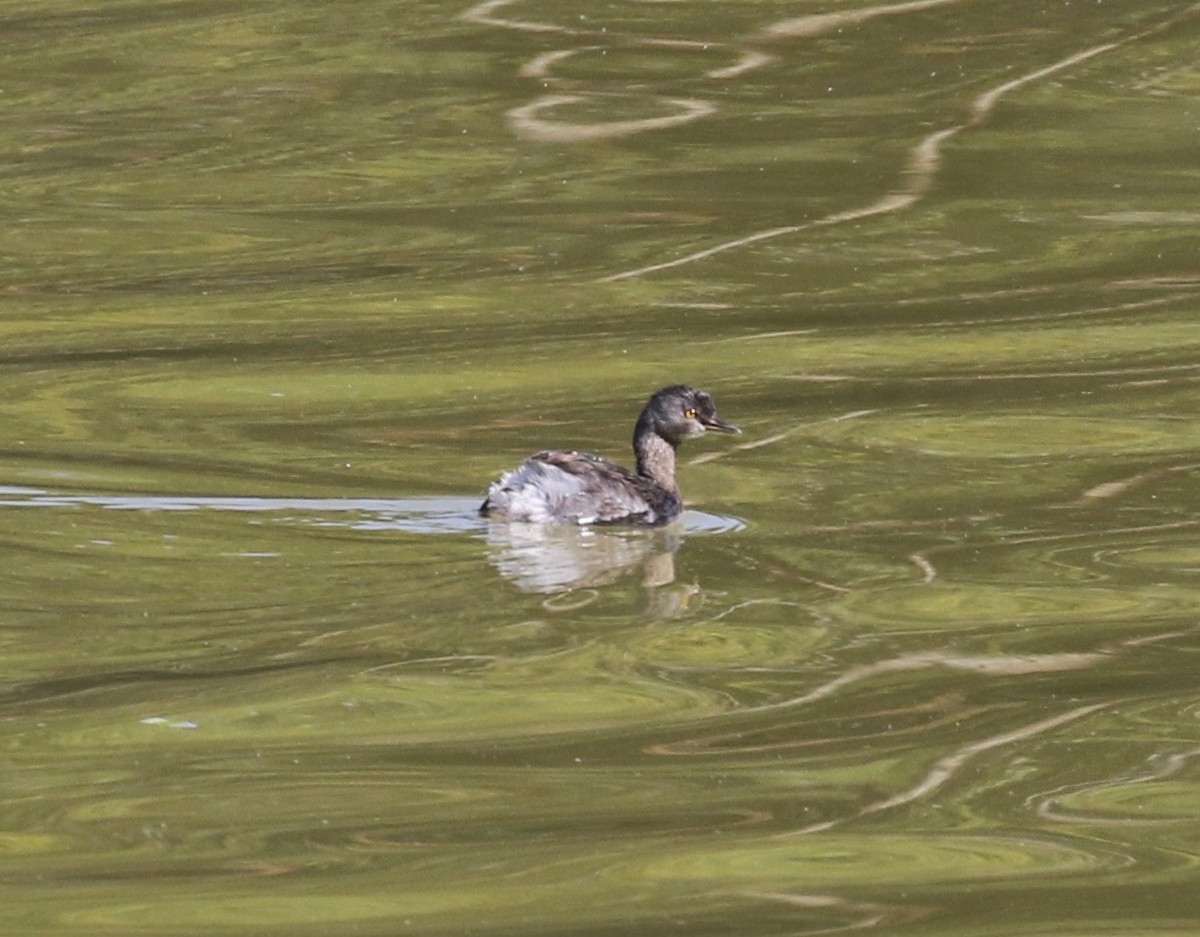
(284,287)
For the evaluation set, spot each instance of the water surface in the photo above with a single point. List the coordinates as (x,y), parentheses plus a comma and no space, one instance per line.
(285,287)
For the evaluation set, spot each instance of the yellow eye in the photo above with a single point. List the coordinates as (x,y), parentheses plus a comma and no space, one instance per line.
(690,413)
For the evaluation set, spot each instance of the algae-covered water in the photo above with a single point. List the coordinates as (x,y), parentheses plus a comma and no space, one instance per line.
(284,286)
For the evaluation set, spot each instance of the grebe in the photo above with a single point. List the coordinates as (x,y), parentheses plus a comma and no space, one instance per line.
(581,488)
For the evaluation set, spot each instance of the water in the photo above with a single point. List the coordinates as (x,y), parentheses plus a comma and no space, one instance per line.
(284,288)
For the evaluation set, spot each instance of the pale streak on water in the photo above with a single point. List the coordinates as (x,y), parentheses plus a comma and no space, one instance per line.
(945,769)
(924,162)
(418,515)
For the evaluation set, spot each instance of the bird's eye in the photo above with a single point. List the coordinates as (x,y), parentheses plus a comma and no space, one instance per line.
(690,413)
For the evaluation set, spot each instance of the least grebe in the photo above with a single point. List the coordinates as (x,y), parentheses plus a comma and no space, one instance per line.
(581,488)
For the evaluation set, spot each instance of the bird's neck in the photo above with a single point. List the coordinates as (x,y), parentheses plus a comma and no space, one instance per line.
(656,460)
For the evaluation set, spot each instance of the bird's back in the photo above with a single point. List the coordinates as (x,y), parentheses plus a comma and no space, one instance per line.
(578,488)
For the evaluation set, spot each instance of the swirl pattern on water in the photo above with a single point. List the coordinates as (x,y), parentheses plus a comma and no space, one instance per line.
(924,159)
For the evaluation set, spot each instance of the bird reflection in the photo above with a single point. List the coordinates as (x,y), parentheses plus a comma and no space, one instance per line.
(554,559)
